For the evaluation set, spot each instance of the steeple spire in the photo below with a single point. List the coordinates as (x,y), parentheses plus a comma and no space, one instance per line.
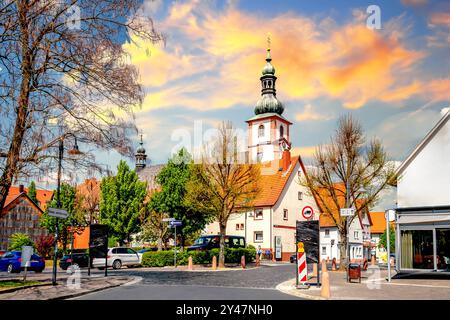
(141,157)
(268,103)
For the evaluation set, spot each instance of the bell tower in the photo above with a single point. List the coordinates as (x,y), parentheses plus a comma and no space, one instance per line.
(268,129)
(141,157)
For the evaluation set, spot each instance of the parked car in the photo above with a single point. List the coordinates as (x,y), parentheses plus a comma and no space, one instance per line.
(208,242)
(11,261)
(118,257)
(77,259)
(293,258)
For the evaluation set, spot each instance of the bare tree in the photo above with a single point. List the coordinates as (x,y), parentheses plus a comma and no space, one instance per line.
(348,173)
(62,63)
(221,185)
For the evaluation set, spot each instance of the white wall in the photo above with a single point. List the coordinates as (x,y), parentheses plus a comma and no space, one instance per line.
(426,180)
(331,251)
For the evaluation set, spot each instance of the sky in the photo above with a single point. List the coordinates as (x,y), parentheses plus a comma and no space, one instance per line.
(395,80)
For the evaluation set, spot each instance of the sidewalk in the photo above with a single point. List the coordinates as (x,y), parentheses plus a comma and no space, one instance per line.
(67,287)
(374,286)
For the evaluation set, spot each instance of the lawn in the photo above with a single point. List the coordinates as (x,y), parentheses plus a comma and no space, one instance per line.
(16,283)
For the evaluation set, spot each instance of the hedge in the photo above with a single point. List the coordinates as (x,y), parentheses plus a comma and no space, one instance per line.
(165,258)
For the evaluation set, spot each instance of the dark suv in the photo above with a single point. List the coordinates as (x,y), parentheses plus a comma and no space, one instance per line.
(79,259)
(213,241)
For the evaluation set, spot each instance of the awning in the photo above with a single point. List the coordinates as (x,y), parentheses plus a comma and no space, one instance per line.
(429,218)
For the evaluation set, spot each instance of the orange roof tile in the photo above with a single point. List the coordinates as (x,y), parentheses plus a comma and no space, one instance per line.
(378,222)
(272,185)
(43,196)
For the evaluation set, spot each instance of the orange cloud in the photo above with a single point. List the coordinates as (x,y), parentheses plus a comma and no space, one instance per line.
(440,18)
(216,60)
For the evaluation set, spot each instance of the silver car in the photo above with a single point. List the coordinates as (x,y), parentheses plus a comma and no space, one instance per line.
(118,257)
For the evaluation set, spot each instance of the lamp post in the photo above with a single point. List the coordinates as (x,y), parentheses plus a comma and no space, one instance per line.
(73,151)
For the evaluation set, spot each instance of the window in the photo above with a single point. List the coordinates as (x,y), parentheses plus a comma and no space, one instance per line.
(324,250)
(258,236)
(261,131)
(237,226)
(355,234)
(327,233)
(285,214)
(281,131)
(242,226)
(300,195)
(258,214)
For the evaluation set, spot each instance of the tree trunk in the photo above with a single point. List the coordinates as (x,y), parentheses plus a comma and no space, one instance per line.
(222,231)
(160,241)
(22,109)
(343,251)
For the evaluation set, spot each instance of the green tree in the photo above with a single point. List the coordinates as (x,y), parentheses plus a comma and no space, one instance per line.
(32,192)
(122,198)
(383,239)
(18,240)
(67,203)
(173,179)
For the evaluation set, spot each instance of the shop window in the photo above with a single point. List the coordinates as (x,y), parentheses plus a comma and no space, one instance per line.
(417,249)
(443,249)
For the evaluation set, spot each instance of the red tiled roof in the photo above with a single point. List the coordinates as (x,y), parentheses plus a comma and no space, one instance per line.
(272,185)
(43,196)
(378,222)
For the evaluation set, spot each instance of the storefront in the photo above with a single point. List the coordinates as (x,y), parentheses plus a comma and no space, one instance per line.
(423,239)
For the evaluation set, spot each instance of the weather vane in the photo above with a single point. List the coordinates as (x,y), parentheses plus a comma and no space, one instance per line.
(268,40)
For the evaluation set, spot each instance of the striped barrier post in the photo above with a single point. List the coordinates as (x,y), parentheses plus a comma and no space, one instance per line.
(302,267)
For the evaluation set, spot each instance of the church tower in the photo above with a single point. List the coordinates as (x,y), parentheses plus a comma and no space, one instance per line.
(268,129)
(141,157)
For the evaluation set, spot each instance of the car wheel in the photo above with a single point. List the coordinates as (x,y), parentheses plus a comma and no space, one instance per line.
(10,268)
(117,264)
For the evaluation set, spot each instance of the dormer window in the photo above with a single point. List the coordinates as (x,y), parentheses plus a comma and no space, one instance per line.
(261,131)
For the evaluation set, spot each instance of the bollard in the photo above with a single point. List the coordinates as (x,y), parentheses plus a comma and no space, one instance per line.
(324,266)
(257,260)
(365,264)
(372,261)
(314,272)
(243,262)
(333,264)
(325,289)
(214,263)
(190,266)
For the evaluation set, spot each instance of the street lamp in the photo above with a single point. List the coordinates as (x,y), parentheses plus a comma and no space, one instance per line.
(74,151)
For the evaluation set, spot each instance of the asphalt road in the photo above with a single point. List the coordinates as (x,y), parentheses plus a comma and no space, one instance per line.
(249,284)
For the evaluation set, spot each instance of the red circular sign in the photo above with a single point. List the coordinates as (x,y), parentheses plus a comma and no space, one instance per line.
(307,212)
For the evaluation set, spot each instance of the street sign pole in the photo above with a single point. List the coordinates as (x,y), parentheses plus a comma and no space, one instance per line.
(175,252)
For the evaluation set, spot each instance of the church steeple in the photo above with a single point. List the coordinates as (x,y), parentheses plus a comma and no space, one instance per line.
(141,157)
(268,103)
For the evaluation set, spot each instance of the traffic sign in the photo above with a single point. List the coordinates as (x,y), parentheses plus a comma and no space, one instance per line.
(347,212)
(58,213)
(307,212)
(175,223)
(27,252)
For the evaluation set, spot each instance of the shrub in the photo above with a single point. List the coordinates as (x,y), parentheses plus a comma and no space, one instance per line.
(165,258)
(44,245)
(18,240)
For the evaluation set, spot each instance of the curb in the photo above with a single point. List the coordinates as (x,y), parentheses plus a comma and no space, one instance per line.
(78,294)
(287,284)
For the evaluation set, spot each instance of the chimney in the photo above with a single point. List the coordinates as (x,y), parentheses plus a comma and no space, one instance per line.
(21,189)
(286,159)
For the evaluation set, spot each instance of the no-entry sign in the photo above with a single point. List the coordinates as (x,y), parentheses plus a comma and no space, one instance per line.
(307,212)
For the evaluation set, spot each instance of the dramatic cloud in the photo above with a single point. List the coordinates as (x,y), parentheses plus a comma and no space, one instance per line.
(213,59)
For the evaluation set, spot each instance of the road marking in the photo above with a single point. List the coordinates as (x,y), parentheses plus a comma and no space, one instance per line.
(383,281)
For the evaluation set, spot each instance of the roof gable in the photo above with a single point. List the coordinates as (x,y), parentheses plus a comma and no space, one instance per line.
(441,123)
(15,201)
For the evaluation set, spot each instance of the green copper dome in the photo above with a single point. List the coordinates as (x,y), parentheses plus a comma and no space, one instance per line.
(268,103)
